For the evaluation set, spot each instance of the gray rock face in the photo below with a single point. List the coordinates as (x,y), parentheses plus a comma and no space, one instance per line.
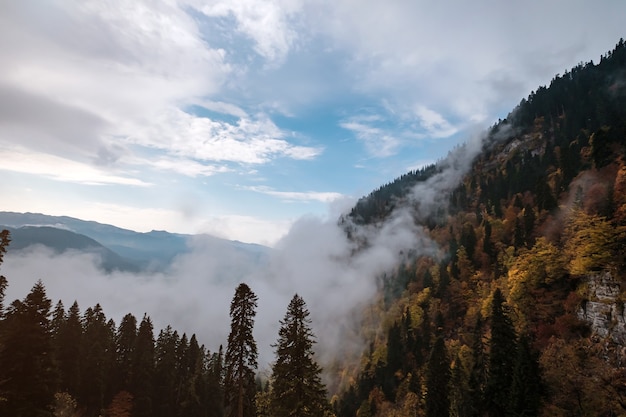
(604,311)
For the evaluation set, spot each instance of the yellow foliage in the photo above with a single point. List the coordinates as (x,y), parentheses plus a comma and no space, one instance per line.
(590,242)
(541,265)
(466,269)
(65,405)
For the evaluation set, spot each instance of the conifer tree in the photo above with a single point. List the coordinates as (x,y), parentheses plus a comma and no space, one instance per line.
(143,369)
(502,353)
(124,350)
(215,386)
(68,350)
(526,386)
(4,242)
(297,389)
(165,373)
(97,360)
(3,286)
(395,357)
(241,355)
(58,318)
(488,246)
(477,373)
(193,395)
(437,379)
(26,366)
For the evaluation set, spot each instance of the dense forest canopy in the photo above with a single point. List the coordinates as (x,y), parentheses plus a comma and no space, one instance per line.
(519,311)
(531,260)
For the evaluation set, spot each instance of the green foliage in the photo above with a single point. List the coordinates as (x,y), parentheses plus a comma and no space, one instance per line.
(166,372)
(437,380)
(5,239)
(502,348)
(142,366)
(527,386)
(124,351)
(26,365)
(241,355)
(68,349)
(297,389)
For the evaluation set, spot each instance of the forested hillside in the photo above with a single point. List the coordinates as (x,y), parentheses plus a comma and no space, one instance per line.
(521,311)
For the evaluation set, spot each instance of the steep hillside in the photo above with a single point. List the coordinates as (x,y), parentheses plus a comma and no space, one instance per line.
(521,312)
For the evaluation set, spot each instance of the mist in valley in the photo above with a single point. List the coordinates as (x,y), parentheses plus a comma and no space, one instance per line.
(336,273)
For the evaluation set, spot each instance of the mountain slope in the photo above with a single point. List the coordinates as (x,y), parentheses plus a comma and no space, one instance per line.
(540,216)
(154,250)
(60,241)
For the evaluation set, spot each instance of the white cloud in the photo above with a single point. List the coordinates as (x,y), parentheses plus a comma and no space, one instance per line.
(448,56)
(224,108)
(184,166)
(378,142)
(315,258)
(250,141)
(245,228)
(324,197)
(60,169)
(270,24)
(83,81)
(117,59)
(434,123)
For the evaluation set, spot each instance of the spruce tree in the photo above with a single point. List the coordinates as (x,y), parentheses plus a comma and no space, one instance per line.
(437,379)
(526,387)
(215,398)
(3,287)
(297,389)
(477,374)
(395,359)
(26,365)
(68,350)
(502,353)
(143,369)
(124,348)
(165,373)
(97,360)
(193,391)
(241,355)
(4,242)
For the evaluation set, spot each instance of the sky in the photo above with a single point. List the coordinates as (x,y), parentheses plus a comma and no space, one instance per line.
(240,118)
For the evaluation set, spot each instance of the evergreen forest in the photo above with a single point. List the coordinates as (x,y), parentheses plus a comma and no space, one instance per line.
(520,312)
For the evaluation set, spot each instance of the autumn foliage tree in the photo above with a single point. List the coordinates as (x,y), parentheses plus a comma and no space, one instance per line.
(591,242)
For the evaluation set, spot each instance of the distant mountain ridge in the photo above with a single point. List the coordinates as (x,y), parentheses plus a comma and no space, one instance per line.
(61,240)
(121,249)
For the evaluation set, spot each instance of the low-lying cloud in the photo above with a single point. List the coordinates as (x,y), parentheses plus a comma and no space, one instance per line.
(315,259)
(337,275)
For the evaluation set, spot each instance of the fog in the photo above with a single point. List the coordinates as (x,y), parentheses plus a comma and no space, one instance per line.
(336,276)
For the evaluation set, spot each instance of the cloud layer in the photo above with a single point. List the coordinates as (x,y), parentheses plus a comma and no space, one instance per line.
(225,98)
(337,275)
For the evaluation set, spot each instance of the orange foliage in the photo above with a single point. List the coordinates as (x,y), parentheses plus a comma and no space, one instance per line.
(619,194)
(121,405)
